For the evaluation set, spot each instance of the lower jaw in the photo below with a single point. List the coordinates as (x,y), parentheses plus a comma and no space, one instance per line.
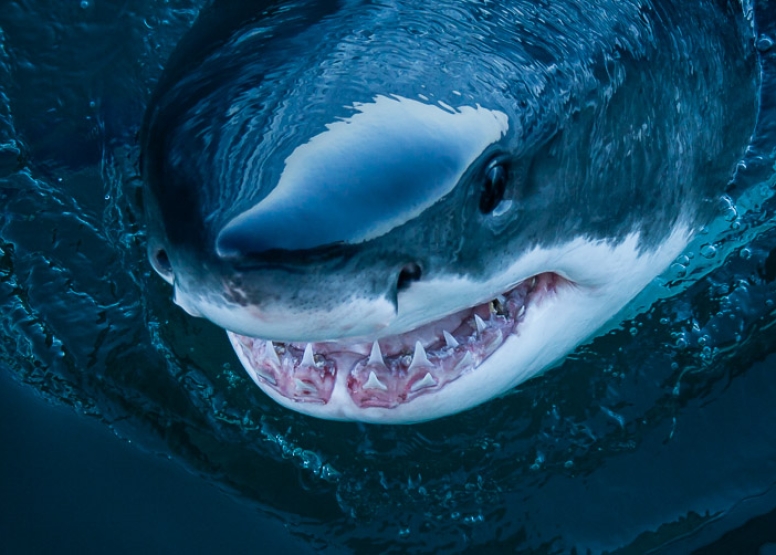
(393,373)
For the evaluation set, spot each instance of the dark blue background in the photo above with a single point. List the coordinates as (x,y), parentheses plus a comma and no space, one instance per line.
(68,485)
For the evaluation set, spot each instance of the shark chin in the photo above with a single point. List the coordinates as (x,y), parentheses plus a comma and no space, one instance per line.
(460,359)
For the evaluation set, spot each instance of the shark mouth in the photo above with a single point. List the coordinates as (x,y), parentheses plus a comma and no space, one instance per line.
(396,369)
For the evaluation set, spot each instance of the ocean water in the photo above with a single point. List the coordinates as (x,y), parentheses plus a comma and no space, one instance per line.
(126,425)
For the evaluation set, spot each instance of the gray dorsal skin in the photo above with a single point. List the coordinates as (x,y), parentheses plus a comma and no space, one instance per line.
(303,159)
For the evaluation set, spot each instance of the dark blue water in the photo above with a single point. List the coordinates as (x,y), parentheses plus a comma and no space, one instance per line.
(126,425)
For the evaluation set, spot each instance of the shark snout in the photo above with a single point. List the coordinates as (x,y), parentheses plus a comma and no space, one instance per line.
(305,297)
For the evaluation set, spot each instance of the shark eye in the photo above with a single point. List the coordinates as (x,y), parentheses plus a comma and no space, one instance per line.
(493,187)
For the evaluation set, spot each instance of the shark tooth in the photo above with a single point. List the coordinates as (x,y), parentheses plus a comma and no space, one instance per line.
(465,363)
(376,356)
(480,323)
(304,387)
(494,344)
(427,381)
(520,312)
(374,383)
(450,340)
(271,354)
(308,359)
(260,372)
(497,305)
(419,359)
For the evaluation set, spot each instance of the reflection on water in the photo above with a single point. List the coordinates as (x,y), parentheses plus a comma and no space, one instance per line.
(658,433)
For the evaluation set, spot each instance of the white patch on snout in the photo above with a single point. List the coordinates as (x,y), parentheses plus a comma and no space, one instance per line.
(605,277)
(463,133)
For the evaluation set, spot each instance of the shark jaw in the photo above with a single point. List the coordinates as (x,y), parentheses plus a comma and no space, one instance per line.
(399,368)
(468,356)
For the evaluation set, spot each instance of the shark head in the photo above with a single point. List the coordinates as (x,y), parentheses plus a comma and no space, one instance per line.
(386,242)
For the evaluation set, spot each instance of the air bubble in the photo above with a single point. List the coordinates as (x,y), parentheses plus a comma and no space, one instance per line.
(309,459)
(764,43)
(708,251)
(678,269)
(329,473)
(538,462)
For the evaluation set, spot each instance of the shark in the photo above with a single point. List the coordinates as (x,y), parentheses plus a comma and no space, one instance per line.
(399,210)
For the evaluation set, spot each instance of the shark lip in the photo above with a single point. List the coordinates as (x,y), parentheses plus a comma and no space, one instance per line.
(396,369)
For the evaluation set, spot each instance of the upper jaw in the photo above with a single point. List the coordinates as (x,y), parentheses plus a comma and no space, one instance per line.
(320,313)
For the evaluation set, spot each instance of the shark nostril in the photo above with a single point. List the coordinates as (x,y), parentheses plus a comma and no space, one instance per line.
(161,262)
(410,273)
